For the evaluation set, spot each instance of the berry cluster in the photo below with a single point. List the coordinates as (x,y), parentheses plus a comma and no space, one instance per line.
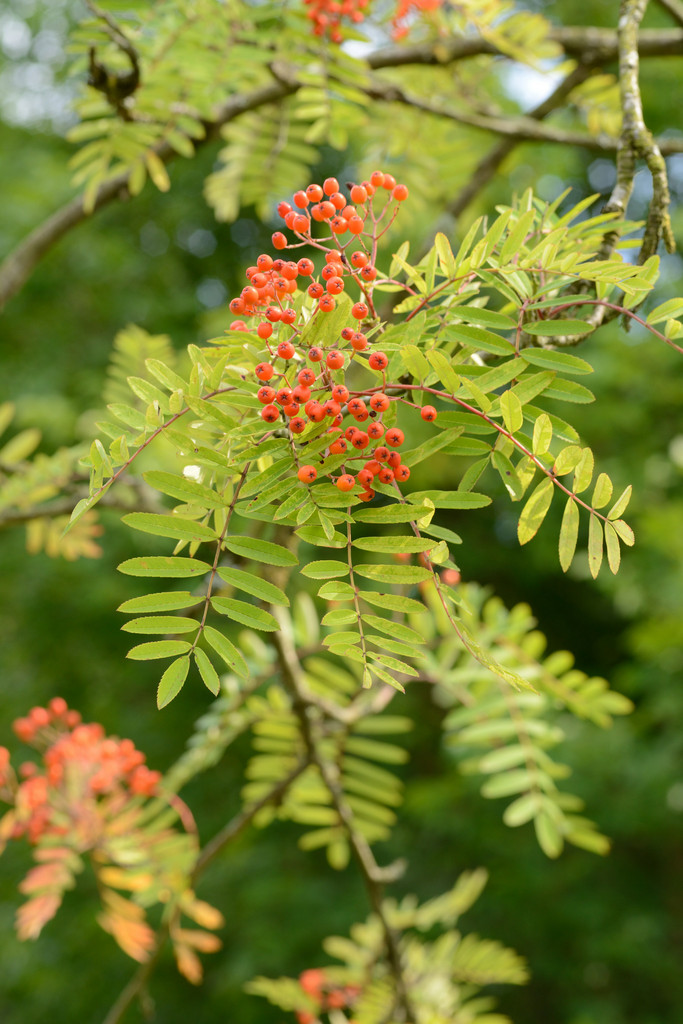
(325,993)
(305,384)
(81,764)
(404,8)
(327,15)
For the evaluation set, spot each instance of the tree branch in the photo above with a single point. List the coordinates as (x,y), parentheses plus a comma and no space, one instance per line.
(591,46)
(374,877)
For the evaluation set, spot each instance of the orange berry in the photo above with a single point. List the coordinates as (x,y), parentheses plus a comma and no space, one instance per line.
(358,194)
(326,304)
(346,482)
(359,259)
(307,474)
(394,437)
(400,193)
(402,473)
(335,359)
(314,193)
(359,310)
(264,371)
(301,200)
(428,413)
(380,402)
(378,361)
(305,267)
(330,186)
(285,350)
(264,330)
(269,413)
(279,240)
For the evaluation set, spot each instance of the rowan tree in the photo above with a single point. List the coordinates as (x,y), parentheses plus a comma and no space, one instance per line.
(388,366)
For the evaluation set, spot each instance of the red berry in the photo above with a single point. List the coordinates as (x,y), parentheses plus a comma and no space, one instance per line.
(301,393)
(301,200)
(301,224)
(377,178)
(264,371)
(368,273)
(279,240)
(428,413)
(360,440)
(394,437)
(358,194)
(375,431)
(365,477)
(338,200)
(367,495)
(389,182)
(330,186)
(331,407)
(238,325)
(400,193)
(347,333)
(379,402)
(394,459)
(264,330)
(346,482)
(378,361)
(359,310)
(335,359)
(314,193)
(340,393)
(316,290)
(326,304)
(358,341)
(305,267)
(357,405)
(265,395)
(307,474)
(335,286)
(338,225)
(386,475)
(306,377)
(373,466)
(315,354)
(338,446)
(237,305)
(402,473)
(270,413)
(356,225)
(288,316)
(283,209)
(273,314)
(359,259)
(291,409)
(381,453)
(297,424)
(285,350)
(264,261)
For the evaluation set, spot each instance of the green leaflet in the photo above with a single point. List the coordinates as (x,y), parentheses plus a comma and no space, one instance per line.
(160,566)
(325,569)
(385,643)
(158,649)
(399,513)
(487,317)
(550,328)
(171,682)
(316,535)
(161,624)
(447,375)
(395,664)
(337,590)
(454,499)
(169,526)
(210,677)
(393,573)
(534,512)
(431,446)
(339,617)
(184,489)
(569,391)
(247,614)
(392,602)
(442,533)
(261,550)
(227,651)
(162,602)
(390,545)
(397,629)
(508,474)
(569,532)
(479,338)
(254,585)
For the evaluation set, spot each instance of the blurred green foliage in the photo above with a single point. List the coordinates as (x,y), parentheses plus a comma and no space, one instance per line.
(604,938)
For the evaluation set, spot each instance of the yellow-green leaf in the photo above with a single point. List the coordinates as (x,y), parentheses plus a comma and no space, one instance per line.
(171,683)
(594,545)
(569,532)
(534,512)
(543,434)
(613,549)
(602,491)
